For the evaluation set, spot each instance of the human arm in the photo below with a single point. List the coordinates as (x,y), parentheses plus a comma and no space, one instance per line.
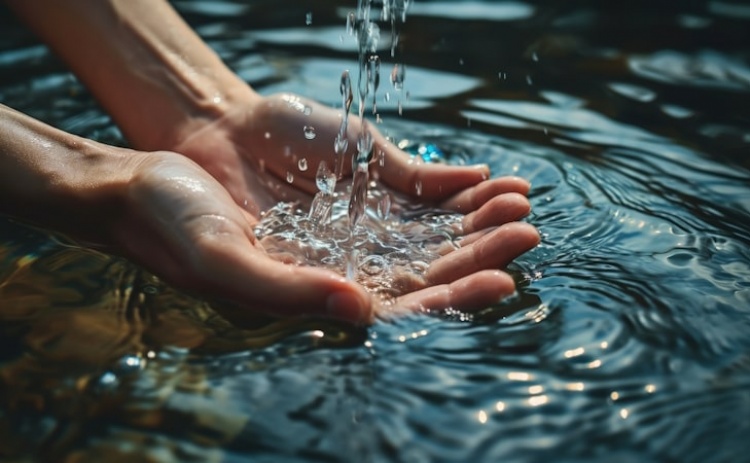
(168,91)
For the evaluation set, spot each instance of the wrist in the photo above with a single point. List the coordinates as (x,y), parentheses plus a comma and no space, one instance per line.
(60,181)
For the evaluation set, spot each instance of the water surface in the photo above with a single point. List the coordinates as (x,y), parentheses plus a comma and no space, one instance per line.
(629,339)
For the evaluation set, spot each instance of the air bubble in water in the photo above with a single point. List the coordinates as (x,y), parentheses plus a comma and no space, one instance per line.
(309,132)
(302,164)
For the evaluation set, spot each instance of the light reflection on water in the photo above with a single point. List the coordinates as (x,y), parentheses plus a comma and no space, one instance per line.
(628,340)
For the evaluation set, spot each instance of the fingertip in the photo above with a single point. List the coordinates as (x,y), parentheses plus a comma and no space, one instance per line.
(480,290)
(353,306)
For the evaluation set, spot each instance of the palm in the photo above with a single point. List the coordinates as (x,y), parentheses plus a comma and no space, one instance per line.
(256,156)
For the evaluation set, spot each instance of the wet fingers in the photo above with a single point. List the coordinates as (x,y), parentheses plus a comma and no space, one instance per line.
(494,250)
(471,293)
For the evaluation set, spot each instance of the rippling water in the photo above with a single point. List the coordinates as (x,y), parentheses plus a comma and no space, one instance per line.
(629,339)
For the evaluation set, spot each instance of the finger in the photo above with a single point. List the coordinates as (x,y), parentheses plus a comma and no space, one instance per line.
(471,293)
(234,270)
(495,250)
(430,182)
(473,198)
(501,209)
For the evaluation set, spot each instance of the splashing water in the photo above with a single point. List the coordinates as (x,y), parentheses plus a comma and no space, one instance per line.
(388,256)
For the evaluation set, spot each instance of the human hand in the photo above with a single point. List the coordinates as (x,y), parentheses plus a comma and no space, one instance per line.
(255,150)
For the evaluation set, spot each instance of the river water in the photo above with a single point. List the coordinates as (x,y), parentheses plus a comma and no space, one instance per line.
(629,339)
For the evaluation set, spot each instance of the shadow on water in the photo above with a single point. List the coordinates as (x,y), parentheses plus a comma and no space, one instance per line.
(627,341)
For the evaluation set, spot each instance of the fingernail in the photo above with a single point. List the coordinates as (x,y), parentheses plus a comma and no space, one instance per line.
(485,170)
(348,306)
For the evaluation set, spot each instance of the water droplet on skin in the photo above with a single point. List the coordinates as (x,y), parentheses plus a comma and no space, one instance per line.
(302,164)
(418,187)
(307,110)
(309,132)
(289,177)
(267,135)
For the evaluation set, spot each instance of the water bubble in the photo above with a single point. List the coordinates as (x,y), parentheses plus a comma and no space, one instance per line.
(308,18)
(302,164)
(373,265)
(289,177)
(309,132)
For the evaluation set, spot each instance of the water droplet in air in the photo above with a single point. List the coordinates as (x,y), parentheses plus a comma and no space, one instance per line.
(350,22)
(325,180)
(534,57)
(289,177)
(397,76)
(308,18)
(302,164)
(309,132)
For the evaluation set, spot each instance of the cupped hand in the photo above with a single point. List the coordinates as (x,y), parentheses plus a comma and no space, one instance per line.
(255,152)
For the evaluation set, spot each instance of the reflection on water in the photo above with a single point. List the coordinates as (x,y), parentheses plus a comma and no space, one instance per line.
(629,338)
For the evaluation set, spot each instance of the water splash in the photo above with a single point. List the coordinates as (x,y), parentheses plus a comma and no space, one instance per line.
(386,257)
(320,210)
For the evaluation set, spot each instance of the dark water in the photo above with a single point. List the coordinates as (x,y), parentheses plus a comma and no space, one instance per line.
(629,339)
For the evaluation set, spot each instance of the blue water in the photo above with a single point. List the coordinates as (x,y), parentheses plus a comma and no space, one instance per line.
(629,339)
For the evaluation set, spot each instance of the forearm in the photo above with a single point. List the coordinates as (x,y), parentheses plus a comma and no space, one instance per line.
(148,69)
(57,180)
